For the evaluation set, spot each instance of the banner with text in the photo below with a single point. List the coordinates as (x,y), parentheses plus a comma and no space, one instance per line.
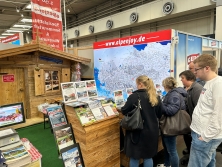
(47,22)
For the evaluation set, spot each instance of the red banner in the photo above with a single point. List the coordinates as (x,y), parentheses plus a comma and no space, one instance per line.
(158,36)
(47,22)
(8,78)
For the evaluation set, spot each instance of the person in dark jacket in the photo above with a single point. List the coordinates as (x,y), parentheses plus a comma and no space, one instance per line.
(143,144)
(193,92)
(172,103)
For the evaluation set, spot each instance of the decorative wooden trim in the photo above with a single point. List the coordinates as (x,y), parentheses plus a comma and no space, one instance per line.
(43,48)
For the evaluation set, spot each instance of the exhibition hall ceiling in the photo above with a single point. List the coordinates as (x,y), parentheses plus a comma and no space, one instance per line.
(15,15)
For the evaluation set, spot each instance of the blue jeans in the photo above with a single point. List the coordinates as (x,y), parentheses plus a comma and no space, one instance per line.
(171,157)
(146,162)
(202,154)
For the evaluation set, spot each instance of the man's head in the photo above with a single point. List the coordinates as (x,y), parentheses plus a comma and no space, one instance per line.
(187,78)
(205,67)
(191,67)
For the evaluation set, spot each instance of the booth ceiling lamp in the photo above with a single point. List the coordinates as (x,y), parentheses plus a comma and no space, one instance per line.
(7,34)
(27,20)
(28,6)
(17,9)
(22,26)
(68,10)
(14,31)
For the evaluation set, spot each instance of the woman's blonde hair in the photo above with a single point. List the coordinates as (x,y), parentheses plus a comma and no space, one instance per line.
(169,83)
(151,90)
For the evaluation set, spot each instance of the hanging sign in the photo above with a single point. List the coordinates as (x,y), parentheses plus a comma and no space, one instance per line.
(47,22)
(8,78)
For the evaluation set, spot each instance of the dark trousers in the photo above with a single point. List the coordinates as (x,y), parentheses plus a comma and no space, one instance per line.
(121,138)
(187,139)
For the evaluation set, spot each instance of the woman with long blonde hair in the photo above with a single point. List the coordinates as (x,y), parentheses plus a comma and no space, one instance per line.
(143,144)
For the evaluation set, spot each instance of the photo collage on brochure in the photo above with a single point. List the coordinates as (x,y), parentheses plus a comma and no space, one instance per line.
(129,91)
(64,136)
(56,116)
(72,156)
(83,90)
(118,98)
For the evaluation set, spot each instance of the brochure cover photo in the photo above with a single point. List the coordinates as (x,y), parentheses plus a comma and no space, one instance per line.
(85,115)
(68,92)
(56,116)
(64,136)
(72,156)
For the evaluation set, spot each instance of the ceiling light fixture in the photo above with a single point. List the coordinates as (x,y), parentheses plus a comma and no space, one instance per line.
(22,26)
(14,30)
(22,15)
(28,6)
(7,34)
(27,20)
(68,10)
(17,9)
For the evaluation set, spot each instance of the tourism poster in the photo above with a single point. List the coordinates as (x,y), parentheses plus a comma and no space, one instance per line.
(56,116)
(64,136)
(72,156)
(68,92)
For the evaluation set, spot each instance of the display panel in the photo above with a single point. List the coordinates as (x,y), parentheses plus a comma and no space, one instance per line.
(11,114)
(118,62)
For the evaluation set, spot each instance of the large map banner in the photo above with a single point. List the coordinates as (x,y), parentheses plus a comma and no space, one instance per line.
(118,62)
(47,21)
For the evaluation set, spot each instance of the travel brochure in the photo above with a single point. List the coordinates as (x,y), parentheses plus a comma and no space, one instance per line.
(64,136)
(85,115)
(68,92)
(118,98)
(83,90)
(129,91)
(56,116)
(16,154)
(97,109)
(72,156)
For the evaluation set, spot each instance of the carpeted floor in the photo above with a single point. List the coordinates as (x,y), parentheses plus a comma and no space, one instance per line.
(44,141)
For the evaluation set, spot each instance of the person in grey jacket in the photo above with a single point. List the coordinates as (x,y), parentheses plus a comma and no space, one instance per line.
(172,103)
(193,92)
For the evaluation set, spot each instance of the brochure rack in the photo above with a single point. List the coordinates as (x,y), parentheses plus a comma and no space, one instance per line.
(99,142)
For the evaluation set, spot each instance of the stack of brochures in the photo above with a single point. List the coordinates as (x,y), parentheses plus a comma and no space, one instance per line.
(12,149)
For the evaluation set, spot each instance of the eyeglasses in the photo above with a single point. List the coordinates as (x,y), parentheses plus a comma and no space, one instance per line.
(196,69)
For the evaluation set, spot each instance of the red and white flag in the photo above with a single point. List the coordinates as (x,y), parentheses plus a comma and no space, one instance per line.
(47,20)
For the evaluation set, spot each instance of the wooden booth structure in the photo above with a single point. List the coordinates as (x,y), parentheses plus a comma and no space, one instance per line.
(32,74)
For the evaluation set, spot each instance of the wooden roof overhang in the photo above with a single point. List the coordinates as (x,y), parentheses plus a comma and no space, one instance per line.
(41,48)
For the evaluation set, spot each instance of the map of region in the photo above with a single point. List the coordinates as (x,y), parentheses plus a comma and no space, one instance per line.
(117,68)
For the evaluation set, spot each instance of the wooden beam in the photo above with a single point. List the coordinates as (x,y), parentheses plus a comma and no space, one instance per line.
(27,94)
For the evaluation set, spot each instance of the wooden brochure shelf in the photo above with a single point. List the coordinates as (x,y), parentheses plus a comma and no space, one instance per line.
(99,142)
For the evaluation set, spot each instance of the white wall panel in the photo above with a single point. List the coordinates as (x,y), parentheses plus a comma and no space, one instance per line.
(147,13)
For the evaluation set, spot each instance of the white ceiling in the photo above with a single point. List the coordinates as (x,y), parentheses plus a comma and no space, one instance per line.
(9,15)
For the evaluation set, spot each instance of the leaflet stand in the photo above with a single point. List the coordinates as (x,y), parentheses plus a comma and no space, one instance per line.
(91,137)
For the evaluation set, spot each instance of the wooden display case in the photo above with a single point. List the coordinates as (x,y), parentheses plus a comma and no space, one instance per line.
(99,142)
